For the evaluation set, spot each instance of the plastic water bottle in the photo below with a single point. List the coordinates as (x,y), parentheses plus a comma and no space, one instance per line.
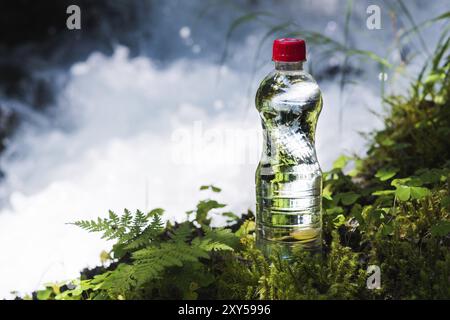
(288,177)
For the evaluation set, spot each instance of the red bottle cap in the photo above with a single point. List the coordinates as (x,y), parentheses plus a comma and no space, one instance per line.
(289,50)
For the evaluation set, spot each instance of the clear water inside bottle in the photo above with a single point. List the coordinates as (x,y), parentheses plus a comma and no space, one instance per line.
(288,177)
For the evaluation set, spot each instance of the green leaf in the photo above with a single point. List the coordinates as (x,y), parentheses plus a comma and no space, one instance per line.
(231,215)
(440,229)
(383,192)
(339,220)
(327,196)
(419,192)
(334,210)
(341,162)
(44,294)
(429,176)
(213,188)
(386,173)
(327,193)
(387,142)
(410,182)
(387,229)
(220,239)
(403,193)
(445,202)
(376,215)
(349,198)
(247,228)
(356,212)
(434,77)
(203,208)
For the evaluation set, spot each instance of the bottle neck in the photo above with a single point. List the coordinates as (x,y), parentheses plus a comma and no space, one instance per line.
(289,66)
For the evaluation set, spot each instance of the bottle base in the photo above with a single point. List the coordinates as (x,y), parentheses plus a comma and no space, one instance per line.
(287,249)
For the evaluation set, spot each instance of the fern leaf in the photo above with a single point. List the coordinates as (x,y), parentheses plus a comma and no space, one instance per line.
(139,227)
(182,233)
(209,245)
(150,262)
(221,239)
(120,281)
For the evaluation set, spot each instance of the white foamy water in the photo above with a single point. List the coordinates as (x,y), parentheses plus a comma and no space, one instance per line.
(139,137)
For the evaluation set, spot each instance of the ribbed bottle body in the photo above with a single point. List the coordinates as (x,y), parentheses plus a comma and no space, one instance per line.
(288,177)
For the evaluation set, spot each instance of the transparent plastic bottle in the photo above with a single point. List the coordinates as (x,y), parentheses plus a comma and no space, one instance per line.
(288,177)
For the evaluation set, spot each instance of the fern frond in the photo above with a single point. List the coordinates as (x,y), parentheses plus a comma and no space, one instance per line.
(127,228)
(222,236)
(209,245)
(120,281)
(182,233)
(93,225)
(150,233)
(150,262)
